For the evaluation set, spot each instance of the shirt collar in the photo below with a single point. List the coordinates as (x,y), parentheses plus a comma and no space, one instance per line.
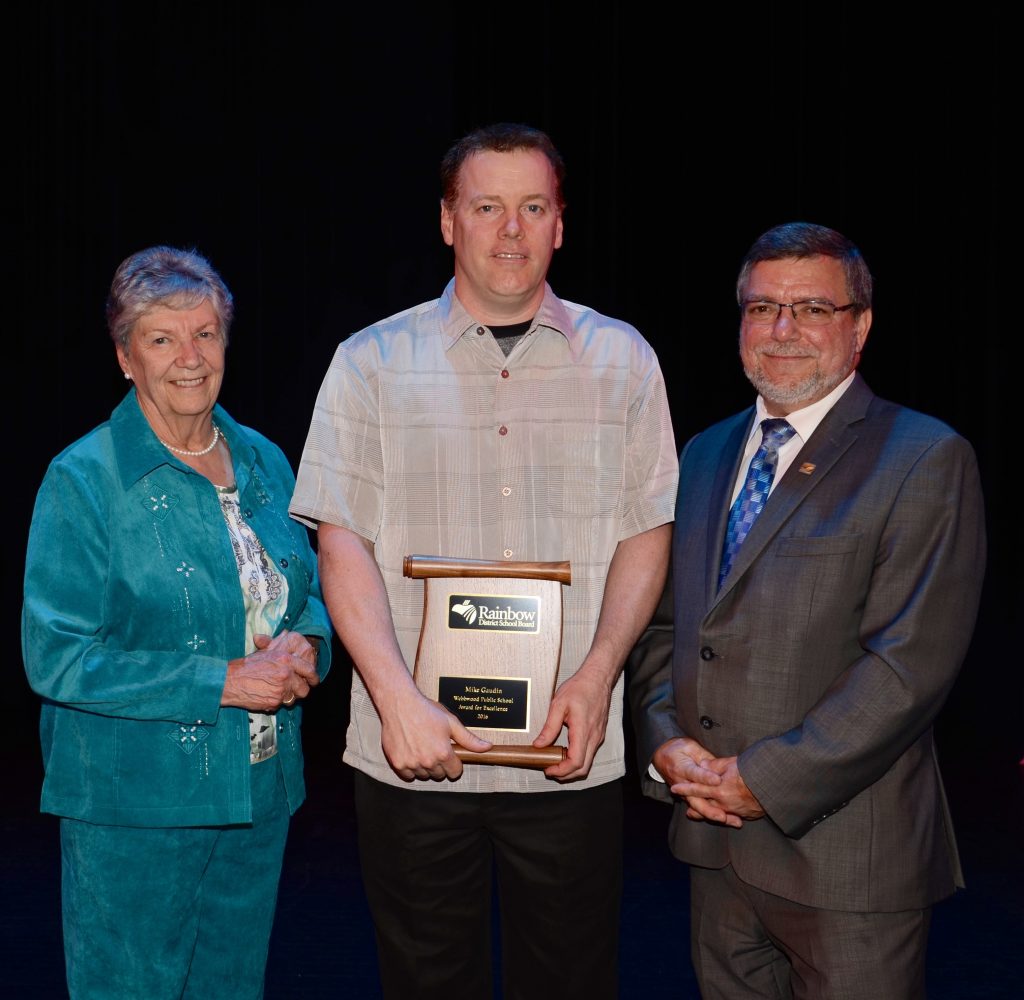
(138,450)
(805,420)
(456,321)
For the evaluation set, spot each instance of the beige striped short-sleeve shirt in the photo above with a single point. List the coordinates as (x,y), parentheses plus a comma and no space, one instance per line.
(426,439)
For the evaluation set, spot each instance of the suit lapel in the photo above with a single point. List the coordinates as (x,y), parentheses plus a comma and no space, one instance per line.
(831,439)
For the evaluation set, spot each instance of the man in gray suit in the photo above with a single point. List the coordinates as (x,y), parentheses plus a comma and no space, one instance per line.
(787,705)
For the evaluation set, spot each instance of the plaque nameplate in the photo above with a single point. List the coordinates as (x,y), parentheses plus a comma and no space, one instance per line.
(489,702)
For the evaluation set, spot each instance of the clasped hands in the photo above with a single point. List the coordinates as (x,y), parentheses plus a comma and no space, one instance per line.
(281,669)
(713,788)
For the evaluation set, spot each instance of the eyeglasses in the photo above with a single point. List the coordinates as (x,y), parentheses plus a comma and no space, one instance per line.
(806,312)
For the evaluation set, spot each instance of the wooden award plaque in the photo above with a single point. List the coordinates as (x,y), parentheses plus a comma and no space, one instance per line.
(489,649)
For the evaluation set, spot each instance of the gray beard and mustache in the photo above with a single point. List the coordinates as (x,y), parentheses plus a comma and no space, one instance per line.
(811,387)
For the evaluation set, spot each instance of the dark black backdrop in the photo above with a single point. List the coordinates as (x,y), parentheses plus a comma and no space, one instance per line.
(297,147)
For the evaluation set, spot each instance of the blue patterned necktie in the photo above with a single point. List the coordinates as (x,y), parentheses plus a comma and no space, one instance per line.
(751,498)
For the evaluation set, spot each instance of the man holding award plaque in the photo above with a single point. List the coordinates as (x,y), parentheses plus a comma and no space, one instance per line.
(523,445)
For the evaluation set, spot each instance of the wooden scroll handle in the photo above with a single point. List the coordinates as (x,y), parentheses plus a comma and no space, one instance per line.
(421,567)
(514,756)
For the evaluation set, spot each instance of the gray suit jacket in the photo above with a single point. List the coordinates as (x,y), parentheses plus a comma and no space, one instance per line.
(826,656)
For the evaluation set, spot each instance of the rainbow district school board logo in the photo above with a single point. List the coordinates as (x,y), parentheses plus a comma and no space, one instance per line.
(494,613)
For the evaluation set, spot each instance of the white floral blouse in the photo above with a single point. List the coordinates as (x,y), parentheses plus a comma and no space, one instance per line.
(266,596)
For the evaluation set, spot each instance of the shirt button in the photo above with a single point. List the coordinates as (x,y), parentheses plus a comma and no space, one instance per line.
(506,492)
(707,653)
(287,618)
(502,430)
(247,513)
(284,564)
(508,553)
(481,330)
(504,373)
(706,722)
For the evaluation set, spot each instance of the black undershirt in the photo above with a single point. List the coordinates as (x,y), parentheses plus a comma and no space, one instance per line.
(508,336)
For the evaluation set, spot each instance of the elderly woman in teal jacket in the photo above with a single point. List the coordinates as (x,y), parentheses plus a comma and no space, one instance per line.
(172,624)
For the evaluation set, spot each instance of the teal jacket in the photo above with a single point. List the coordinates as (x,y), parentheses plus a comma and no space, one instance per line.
(132,610)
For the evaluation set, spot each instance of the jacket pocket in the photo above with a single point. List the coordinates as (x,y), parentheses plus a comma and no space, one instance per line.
(827,545)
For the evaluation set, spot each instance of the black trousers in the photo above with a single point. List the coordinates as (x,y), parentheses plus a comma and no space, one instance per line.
(429,859)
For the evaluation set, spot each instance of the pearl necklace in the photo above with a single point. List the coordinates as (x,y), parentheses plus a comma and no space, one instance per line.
(204,451)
